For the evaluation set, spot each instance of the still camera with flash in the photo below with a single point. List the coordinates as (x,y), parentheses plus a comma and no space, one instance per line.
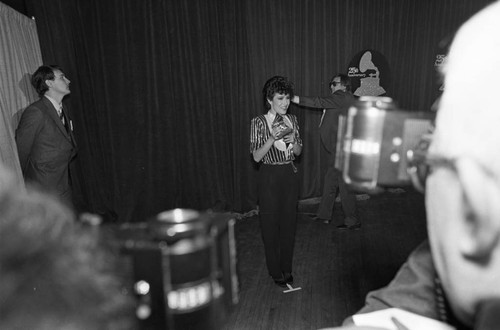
(377,144)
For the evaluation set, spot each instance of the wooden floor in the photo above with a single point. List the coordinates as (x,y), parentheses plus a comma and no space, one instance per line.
(335,269)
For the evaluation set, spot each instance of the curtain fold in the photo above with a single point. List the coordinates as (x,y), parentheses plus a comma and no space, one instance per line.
(163,91)
(19,56)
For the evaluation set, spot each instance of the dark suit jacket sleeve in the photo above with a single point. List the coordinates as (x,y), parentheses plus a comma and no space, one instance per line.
(29,127)
(412,289)
(330,102)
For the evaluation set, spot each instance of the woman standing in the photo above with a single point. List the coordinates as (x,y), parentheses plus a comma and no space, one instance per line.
(275,141)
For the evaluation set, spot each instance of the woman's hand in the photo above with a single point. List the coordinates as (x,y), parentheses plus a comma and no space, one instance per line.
(275,135)
(290,138)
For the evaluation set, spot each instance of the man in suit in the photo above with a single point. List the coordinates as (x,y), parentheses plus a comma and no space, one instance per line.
(334,105)
(44,136)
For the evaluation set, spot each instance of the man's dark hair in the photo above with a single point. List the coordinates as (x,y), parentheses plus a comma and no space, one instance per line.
(45,72)
(344,81)
(276,84)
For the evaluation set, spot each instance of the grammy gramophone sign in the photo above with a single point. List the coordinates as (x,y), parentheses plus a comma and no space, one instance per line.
(369,73)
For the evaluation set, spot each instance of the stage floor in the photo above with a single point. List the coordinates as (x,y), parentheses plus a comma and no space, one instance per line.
(335,269)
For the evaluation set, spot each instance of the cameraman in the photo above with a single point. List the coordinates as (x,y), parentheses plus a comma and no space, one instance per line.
(462,193)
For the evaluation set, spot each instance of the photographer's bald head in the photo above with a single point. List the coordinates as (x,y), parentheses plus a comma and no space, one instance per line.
(463,189)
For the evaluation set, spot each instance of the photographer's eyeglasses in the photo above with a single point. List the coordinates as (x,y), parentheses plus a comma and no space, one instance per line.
(421,163)
(420,168)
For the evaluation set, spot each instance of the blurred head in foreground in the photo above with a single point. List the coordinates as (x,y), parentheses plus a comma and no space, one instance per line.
(463,189)
(51,269)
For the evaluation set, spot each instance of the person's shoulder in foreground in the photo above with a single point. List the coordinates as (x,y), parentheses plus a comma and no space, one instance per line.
(53,273)
(412,289)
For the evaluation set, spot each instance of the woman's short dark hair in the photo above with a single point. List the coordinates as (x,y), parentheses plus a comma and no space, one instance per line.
(45,72)
(276,84)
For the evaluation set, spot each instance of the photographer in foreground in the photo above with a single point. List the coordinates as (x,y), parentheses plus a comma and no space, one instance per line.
(53,273)
(462,198)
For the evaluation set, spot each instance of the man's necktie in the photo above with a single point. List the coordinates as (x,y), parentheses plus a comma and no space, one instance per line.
(63,119)
(61,115)
(322,116)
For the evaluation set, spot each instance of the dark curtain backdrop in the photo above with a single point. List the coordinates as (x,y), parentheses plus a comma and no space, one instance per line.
(163,91)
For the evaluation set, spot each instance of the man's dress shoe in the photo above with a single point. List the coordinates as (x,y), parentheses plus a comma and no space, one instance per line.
(356,226)
(316,218)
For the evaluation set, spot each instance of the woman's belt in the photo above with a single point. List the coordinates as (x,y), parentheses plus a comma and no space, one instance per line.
(286,163)
(280,163)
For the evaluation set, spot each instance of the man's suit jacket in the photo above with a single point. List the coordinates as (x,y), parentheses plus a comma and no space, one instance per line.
(336,104)
(45,147)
